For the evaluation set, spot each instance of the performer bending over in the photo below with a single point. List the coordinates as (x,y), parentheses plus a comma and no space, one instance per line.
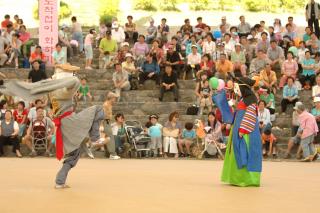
(71,128)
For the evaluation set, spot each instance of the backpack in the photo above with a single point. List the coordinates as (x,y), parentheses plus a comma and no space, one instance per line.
(192,110)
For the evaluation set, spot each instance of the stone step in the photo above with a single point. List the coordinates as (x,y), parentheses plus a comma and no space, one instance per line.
(186,95)
(143,108)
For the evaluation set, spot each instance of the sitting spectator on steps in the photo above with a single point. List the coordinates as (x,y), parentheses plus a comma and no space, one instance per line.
(267,96)
(36,74)
(151,32)
(206,66)
(193,62)
(140,48)
(238,59)
(118,132)
(263,117)
(39,56)
(316,88)
(24,37)
(14,50)
(173,59)
(268,78)
(171,135)
(59,56)
(20,116)
(289,69)
(32,115)
(9,134)
(316,113)
(130,30)
(258,63)
(84,93)
(118,34)
(150,70)
(188,137)
(169,82)
(308,75)
(108,44)
(3,56)
(309,130)
(205,97)
(290,95)
(275,55)
(120,80)
(40,119)
(223,67)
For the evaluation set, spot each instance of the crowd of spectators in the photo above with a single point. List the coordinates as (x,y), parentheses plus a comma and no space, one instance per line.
(277,57)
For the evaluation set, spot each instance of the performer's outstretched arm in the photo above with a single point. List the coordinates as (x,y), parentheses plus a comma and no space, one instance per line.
(32,91)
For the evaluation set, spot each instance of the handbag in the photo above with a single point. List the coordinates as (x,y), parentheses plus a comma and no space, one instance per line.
(170,132)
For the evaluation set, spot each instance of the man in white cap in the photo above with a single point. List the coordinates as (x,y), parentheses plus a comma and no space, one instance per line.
(225,23)
(118,34)
(308,131)
(194,60)
(120,79)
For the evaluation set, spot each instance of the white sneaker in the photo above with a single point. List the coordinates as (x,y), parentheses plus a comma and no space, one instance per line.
(88,151)
(114,157)
(63,186)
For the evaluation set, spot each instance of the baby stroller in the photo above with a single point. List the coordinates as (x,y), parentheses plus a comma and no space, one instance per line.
(138,139)
(212,146)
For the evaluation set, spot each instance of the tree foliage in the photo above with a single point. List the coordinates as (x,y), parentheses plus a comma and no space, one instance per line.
(64,11)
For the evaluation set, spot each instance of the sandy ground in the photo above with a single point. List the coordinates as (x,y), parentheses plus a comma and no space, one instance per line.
(153,186)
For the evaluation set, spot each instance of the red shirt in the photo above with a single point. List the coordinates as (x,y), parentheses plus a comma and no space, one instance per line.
(24,37)
(19,116)
(35,56)
(5,23)
(210,65)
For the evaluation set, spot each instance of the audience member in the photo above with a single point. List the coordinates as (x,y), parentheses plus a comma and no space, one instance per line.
(120,80)
(88,42)
(154,129)
(151,32)
(84,92)
(130,30)
(290,95)
(188,136)
(169,82)
(77,34)
(36,74)
(171,135)
(9,134)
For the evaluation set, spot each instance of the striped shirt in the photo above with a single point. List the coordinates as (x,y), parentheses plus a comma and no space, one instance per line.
(249,119)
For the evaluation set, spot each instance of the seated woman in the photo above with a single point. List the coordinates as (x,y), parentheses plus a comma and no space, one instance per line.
(172,134)
(9,134)
(24,37)
(20,116)
(308,75)
(238,59)
(206,66)
(128,65)
(14,50)
(268,97)
(263,117)
(215,132)
(289,69)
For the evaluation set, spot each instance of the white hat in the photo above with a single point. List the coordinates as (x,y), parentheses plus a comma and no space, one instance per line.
(128,55)
(125,44)
(64,26)
(238,44)
(223,17)
(316,99)
(193,45)
(115,25)
(250,37)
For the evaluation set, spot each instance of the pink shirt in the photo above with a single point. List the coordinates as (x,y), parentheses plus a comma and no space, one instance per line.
(308,124)
(24,37)
(88,40)
(290,68)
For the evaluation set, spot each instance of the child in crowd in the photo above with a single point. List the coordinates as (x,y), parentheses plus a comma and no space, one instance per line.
(205,100)
(269,143)
(88,42)
(107,60)
(188,137)
(154,130)
(119,132)
(84,92)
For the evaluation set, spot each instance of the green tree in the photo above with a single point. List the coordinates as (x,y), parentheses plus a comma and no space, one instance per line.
(109,10)
(64,11)
(148,5)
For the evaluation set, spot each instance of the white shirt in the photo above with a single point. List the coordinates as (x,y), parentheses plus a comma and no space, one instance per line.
(119,35)
(194,59)
(229,47)
(264,116)
(209,47)
(315,90)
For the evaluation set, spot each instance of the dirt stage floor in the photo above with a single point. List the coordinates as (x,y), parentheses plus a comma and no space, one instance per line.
(170,186)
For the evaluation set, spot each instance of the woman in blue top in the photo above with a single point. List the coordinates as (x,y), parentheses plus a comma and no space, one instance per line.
(308,75)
